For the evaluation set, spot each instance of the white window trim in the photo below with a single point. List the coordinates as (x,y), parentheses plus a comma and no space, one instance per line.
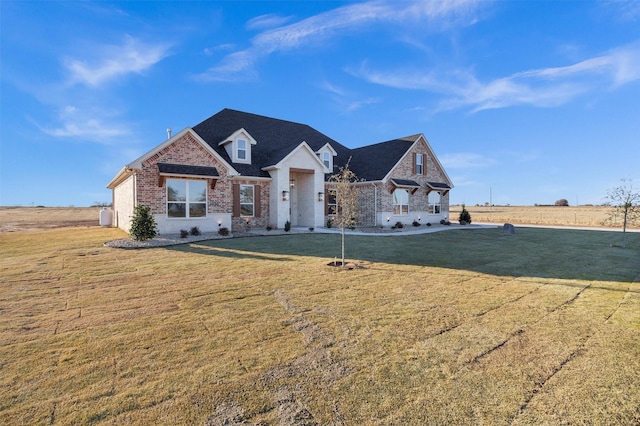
(434,205)
(421,164)
(253,201)
(237,151)
(327,159)
(187,202)
(400,208)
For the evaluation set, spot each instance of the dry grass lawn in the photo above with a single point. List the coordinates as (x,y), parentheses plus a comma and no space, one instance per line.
(458,327)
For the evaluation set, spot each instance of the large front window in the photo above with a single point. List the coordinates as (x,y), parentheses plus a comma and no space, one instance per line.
(186,198)
(400,202)
(246,201)
(434,200)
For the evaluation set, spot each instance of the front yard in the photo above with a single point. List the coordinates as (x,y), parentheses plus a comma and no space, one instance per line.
(455,327)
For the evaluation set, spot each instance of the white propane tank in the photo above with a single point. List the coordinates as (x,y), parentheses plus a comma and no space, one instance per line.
(106,217)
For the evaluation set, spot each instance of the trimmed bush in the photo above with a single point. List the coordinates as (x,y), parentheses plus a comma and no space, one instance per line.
(223,231)
(184,233)
(465,216)
(143,225)
(287,226)
(195,231)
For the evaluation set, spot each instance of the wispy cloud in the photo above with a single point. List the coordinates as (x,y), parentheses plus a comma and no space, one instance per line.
(545,87)
(112,61)
(91,126)
(240,65)
(270,20)
(627,10)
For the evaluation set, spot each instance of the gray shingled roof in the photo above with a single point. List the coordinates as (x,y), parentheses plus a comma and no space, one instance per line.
(373,162)
(276,138)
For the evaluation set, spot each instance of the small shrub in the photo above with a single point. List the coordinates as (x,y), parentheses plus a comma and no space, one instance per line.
(329,222)
(287,226)
(269,228)
(416,223)
(399,225)
(143,225)
(428,224)
(184,233)
(465,216)
(311,228)
(223,231)
(195,231)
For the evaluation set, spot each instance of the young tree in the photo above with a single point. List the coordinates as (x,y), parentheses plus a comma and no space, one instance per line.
(347,193)
(625,200)
(143,225)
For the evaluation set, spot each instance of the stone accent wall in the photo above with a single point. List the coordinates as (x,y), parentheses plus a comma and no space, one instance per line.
(405,170)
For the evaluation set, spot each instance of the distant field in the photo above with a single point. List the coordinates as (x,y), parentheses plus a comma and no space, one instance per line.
(462,327)
(590,216)
(21,218)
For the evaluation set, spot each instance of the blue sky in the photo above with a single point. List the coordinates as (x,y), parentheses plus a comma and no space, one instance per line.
(529,101)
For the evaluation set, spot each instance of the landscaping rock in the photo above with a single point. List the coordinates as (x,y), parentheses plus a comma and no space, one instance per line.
(508,229)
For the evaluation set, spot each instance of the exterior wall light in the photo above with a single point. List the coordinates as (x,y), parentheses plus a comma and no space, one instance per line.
(320,196)
(285,195)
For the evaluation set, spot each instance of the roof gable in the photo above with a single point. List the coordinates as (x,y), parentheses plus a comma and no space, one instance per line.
(375,162)
(275,138)
(137,163)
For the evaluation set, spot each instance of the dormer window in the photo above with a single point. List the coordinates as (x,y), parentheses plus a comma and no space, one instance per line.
(241,149)
(326,154)
(238,146)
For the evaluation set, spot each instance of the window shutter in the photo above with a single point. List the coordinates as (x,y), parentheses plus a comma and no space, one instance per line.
(257,211)
(236,200)
(326,202)
(424,164)
(414,163)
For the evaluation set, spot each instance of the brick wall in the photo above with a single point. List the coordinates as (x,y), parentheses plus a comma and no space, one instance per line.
(188,151)
(264,187)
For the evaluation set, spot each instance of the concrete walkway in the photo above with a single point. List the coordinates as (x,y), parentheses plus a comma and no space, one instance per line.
(407,230)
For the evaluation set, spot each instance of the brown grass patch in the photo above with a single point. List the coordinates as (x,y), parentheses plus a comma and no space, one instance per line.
(14,219)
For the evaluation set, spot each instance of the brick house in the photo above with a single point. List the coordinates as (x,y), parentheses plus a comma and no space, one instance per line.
(237,169)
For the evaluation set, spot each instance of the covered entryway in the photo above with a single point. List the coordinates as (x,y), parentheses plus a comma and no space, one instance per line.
(302,190)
